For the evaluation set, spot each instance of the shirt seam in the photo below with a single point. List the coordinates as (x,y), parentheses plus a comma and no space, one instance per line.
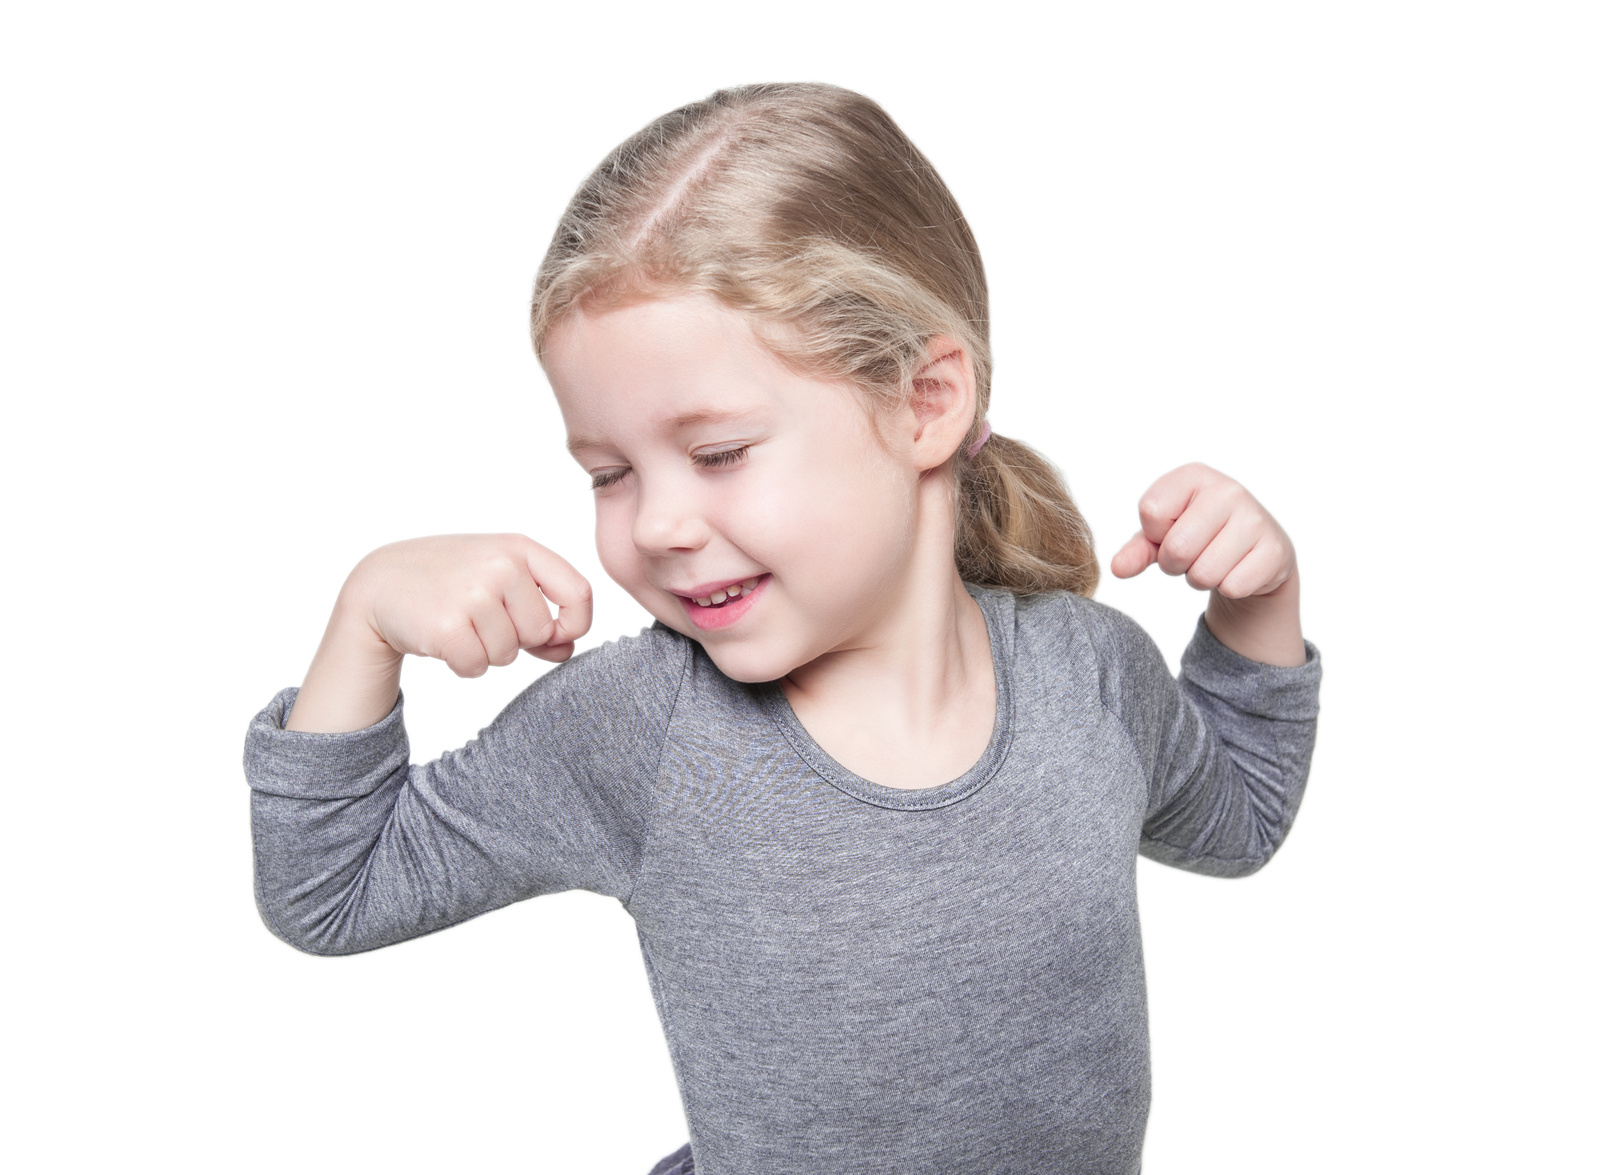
(1129,735)
(1140,762)
(1177,850)
(655,780)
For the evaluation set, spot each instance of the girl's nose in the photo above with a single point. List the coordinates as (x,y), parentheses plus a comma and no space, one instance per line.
(668,522)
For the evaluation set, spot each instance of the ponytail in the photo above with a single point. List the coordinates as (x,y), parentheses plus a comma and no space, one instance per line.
(1016,526)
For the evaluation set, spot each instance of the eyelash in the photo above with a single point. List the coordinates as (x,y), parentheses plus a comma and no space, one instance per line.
(722,458)
(719,460)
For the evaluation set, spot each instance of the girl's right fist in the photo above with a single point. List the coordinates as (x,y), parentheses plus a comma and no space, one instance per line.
(470,600)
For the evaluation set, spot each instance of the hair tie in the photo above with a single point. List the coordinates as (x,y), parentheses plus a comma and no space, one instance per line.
(983,439)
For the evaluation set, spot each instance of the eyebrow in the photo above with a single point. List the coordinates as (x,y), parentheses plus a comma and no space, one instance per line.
(675,424)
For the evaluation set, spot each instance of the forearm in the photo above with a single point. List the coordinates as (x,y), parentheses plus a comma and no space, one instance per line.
(353,681)
(1267,628)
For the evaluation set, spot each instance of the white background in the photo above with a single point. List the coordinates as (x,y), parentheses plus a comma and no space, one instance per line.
(265,276)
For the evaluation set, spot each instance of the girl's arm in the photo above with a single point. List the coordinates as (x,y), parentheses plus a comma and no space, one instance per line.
(470,601)
(1226,748)
(1198,523)
(354,847)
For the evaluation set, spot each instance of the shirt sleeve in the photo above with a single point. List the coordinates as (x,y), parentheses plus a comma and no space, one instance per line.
(1225,748)
(354,848)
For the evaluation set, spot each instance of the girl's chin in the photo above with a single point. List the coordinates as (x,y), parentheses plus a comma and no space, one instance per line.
(746,665)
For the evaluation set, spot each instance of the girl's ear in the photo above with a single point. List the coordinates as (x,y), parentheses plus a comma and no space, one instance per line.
(943,400)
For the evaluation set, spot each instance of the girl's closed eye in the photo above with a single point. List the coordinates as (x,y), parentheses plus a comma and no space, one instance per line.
(718,459)
(721,458)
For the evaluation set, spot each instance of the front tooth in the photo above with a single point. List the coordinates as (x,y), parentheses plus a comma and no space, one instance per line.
(734,589)
(718,597)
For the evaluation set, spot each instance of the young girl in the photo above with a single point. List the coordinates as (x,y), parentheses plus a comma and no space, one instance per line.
(873,784)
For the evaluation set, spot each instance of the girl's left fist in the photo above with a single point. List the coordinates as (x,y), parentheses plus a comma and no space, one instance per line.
(1198,523)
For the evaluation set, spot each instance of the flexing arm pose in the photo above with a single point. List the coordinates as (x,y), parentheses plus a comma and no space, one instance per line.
(471,601)
(1198,523)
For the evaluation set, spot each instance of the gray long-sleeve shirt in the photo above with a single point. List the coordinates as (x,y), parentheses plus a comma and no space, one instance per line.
(852,978)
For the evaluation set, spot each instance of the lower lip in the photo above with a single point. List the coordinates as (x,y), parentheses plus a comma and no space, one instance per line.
(723,615)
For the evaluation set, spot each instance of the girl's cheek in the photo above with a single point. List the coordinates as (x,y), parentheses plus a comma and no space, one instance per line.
(615,546)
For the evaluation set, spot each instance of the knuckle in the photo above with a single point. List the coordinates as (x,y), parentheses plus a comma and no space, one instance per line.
(1232,589)
(1177,550)
(1267,559)
(460,649)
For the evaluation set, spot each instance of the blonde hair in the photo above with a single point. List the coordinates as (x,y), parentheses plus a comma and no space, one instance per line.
(806,208)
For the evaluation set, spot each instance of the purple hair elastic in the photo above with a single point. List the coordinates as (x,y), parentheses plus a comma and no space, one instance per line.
(983,439)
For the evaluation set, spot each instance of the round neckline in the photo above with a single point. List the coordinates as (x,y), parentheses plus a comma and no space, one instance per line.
(996,606)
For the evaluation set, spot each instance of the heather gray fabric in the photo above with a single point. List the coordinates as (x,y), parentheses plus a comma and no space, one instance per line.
(681,1162)
(852,978)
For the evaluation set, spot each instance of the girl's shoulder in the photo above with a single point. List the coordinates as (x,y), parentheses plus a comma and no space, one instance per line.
(1072,646)
(656,655)
(1078,626)
(639,675)
(1107,648)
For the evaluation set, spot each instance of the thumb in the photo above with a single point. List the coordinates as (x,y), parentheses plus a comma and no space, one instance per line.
(1134,557)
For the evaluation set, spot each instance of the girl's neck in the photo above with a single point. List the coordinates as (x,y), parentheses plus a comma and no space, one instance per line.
(911,703)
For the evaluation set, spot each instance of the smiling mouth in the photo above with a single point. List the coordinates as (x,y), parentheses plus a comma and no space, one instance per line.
(724,595)
(735,602)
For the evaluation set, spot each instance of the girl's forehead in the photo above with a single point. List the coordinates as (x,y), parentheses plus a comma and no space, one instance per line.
(688,329)
(676,336)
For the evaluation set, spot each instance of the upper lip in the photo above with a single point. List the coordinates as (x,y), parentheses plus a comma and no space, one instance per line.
(718,585)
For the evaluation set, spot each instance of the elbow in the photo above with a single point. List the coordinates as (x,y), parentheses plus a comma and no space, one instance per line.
(1231,826)
(309,944)
(309,934)
(1266,842)
(1212,860)
(1247,866)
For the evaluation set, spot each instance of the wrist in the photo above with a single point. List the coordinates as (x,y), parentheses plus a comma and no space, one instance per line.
(351,637)
(353,681)
(1267,628)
